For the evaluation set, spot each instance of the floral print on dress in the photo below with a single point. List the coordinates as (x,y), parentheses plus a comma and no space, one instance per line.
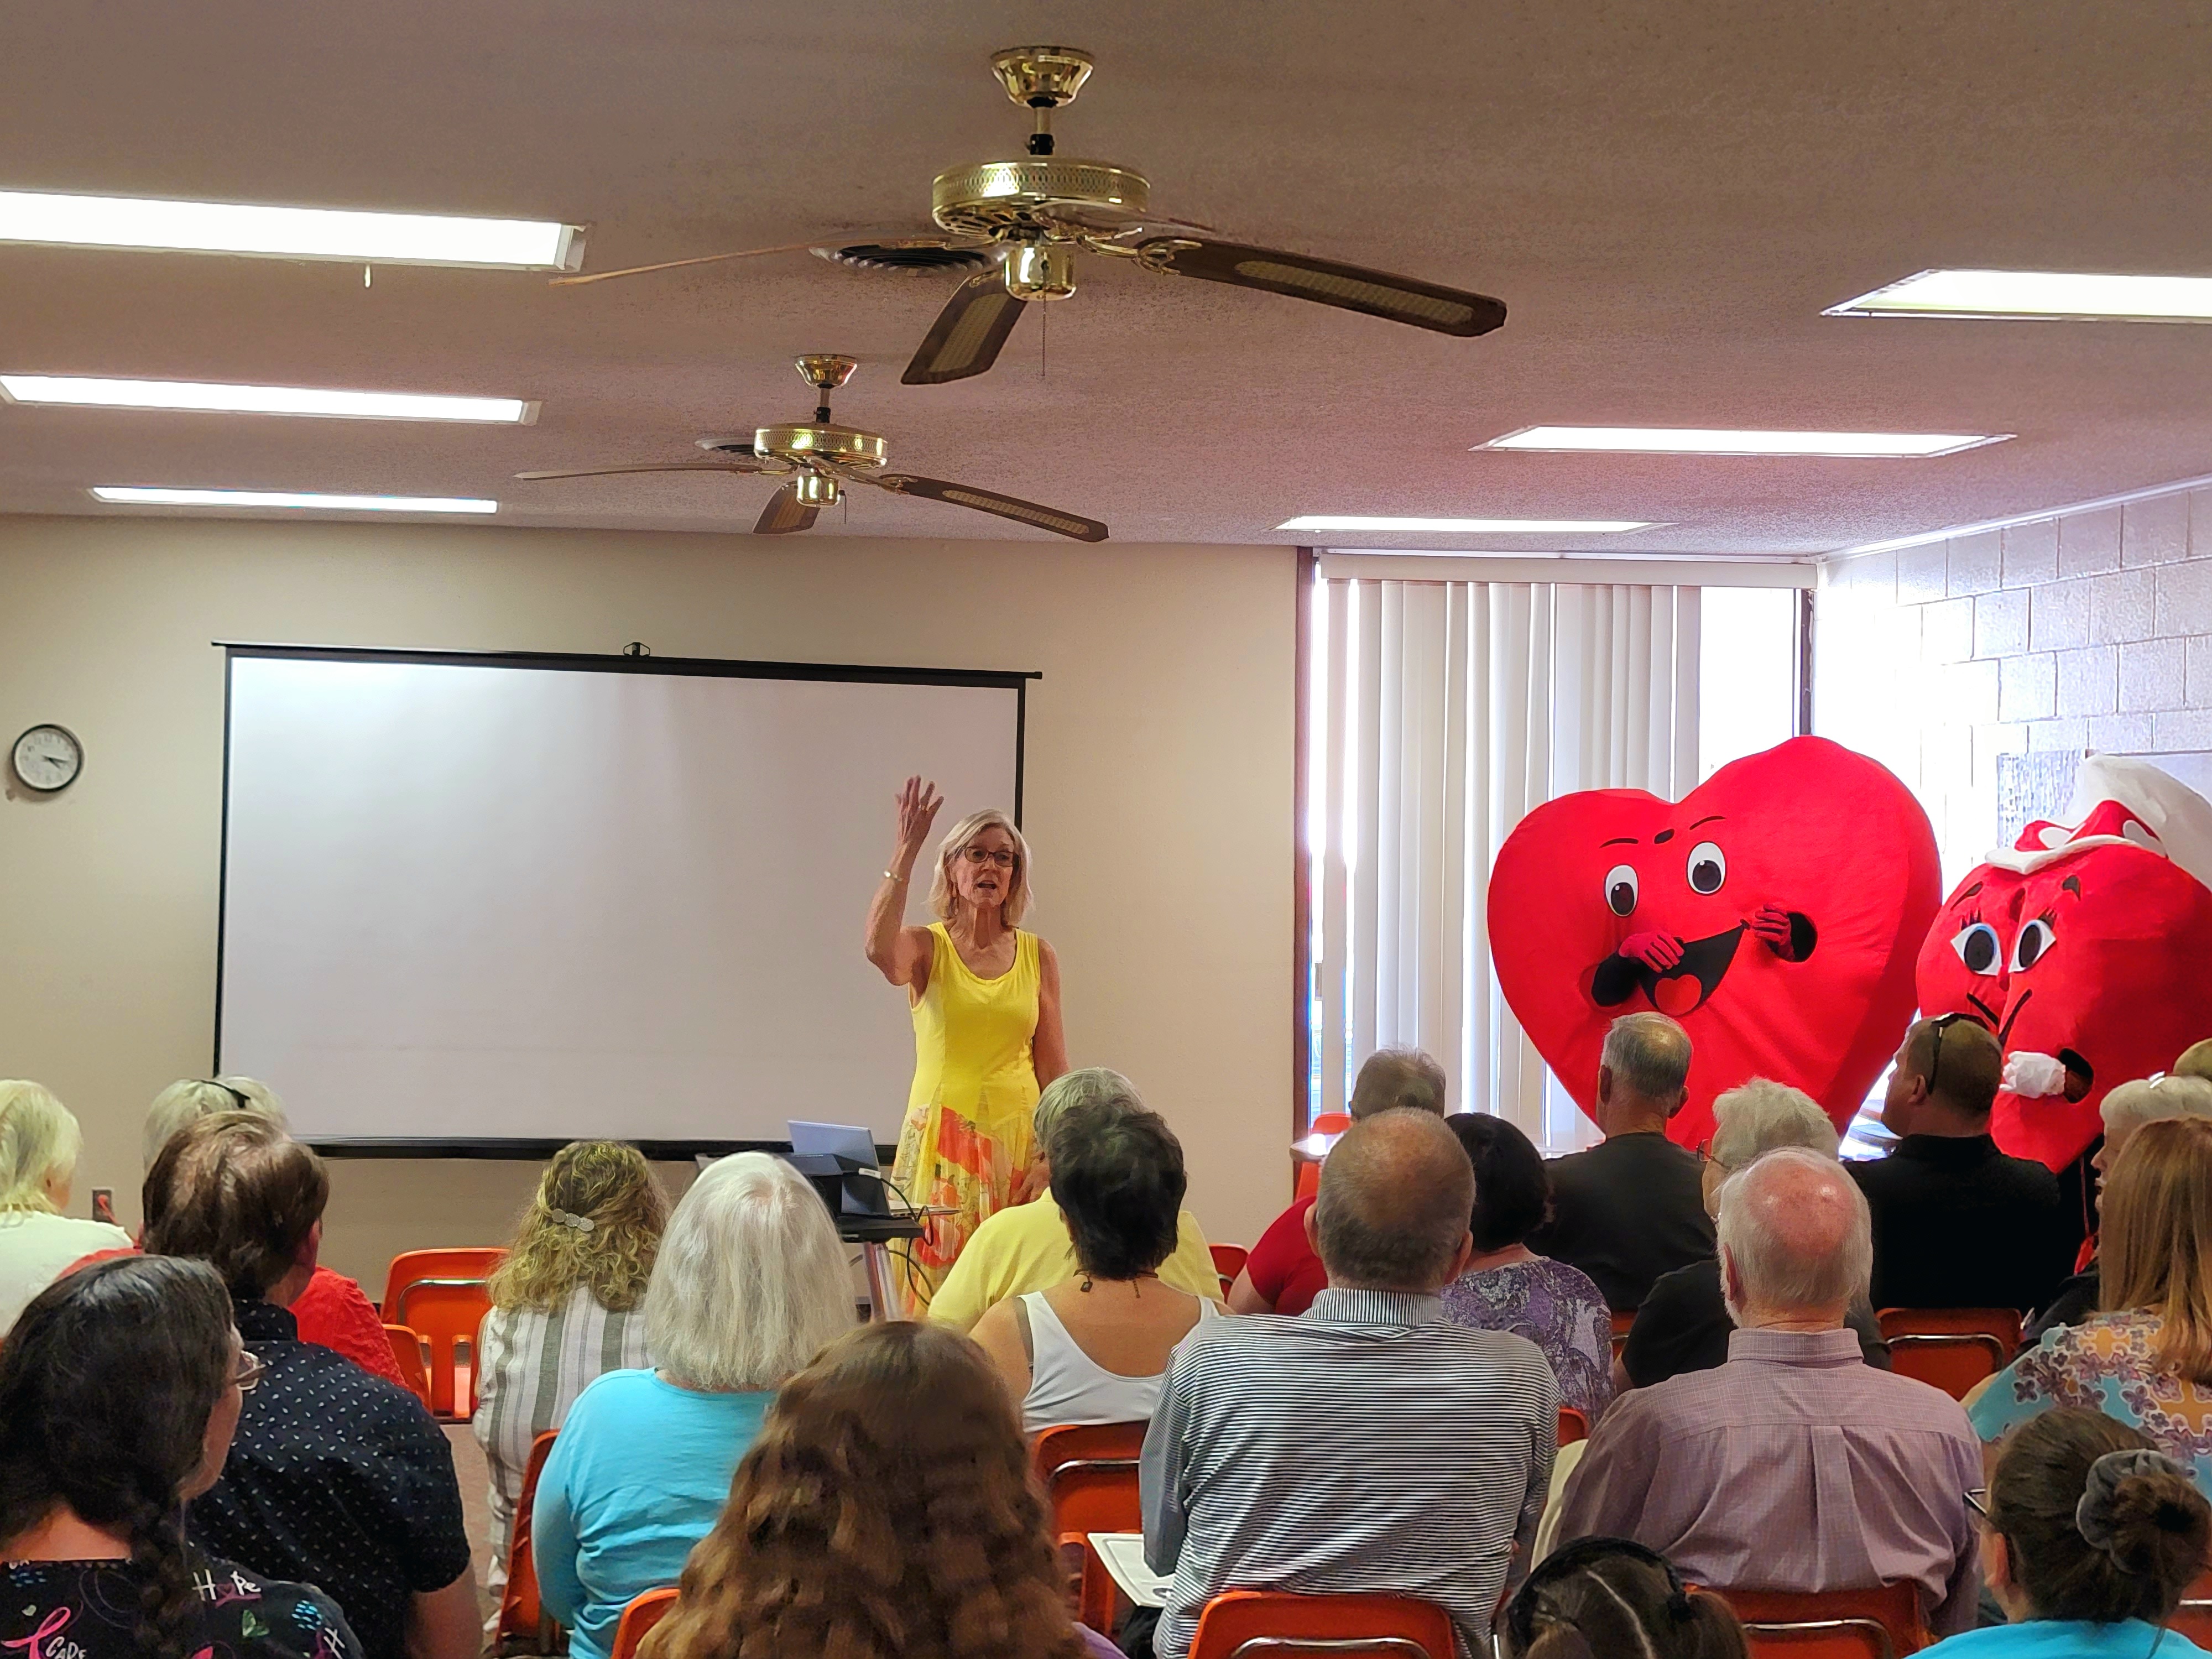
(1555,1306)
(89,1610)
(2109,1365)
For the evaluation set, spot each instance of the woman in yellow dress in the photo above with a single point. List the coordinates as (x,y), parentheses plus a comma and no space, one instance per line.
(987,1035)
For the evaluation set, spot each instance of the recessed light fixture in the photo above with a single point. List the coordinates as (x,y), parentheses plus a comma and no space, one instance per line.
(147,495)
(402,238)
(88,392)
(1705,440)
(2051,295)
(1469,526)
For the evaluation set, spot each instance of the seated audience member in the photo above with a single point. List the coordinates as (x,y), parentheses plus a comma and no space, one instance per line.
(885,1512)
(749,1284)
(1684,1324)
(2092,1539)
(1957,1224)
(2147,1360)
(1508,1287)
(1369,1444)
(2125,1109)
(1794,1465)
(119,1389)
(1283,1275)
(2195,1061)
(39,1145)
(1606,1597)
(1630,1207)
(1092,1349)
(332,1311)
(1025,1247)
(336,1478)
(564,1307)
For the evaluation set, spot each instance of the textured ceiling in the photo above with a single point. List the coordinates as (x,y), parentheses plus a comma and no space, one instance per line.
(1665,195)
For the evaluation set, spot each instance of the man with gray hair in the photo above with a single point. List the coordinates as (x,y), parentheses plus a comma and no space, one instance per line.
(1025,1247)
(1631,1208)
(1794,1465)
(1367,1444)
(1684,1325)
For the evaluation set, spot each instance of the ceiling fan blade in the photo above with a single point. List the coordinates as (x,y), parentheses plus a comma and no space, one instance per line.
(965,338)
(674,265)
(785,512)
(731,465)
(1352,288)
(989,501)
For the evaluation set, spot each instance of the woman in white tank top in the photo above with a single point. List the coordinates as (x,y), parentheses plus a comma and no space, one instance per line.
(1093,1348)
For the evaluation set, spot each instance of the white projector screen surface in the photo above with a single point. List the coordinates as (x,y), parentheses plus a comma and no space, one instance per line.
(471,903)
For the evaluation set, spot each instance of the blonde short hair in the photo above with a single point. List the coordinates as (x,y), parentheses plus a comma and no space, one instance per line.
(941,893)
(750,1281)
(192,1098)
(39,1139)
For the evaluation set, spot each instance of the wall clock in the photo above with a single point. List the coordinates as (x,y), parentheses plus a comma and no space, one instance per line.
(47,758)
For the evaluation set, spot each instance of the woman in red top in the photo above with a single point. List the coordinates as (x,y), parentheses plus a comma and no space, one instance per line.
(332,1312)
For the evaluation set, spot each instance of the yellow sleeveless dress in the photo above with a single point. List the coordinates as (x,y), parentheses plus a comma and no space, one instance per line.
(966,1134)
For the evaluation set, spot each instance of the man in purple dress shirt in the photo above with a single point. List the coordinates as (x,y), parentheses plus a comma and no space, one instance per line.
(1795,1466)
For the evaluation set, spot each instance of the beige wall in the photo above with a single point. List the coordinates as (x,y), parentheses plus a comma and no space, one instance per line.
(1158,789)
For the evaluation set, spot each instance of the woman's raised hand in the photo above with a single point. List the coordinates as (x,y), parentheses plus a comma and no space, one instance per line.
(917,810)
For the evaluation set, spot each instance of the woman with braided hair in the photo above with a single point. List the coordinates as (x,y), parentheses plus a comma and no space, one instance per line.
(1611,1598)
(2092,1537)
(119,1388)
(886,1511)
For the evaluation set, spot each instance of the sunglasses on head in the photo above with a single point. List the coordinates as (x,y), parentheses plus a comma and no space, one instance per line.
(1943,1022)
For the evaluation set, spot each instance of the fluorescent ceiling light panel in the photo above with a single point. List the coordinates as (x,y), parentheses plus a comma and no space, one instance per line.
(1469,526)
(2048,295)
(403,239)
(1703,440)
(144,496)
(87,392)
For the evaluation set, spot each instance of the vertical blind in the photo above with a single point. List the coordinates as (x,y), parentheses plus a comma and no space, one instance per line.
(1442,713)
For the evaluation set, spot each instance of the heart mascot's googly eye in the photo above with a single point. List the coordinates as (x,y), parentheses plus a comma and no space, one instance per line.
(1977,946)
(1620,888)
(1708,867)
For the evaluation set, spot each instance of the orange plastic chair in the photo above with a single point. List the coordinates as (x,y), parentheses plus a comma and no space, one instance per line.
(410,1267)
(1953,1348)
(523,1625)
(1324,1123)
(1089,1473)
(1573,1426)
(1854,1624)
(643,1613)
(447,1313)
(1622,1319)
(1244,1624)
(407,1354)
(1227,1262)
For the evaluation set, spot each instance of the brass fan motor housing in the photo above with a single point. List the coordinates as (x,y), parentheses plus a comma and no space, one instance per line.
(993,198)
(830,443)
(1042,77)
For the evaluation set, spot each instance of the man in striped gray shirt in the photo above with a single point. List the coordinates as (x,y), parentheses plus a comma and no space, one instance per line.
(1366,1444)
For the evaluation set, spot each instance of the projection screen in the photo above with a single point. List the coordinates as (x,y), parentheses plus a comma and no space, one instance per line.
(487,904)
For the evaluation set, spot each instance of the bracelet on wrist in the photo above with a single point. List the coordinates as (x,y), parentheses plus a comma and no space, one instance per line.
(892,875)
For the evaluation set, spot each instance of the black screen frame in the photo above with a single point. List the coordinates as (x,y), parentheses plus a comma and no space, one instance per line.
(533,1149)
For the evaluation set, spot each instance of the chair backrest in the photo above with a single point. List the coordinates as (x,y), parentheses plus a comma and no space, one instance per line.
(1952,1348)
(407,1354)
(1070,1442)
(1089,1473)
(523,1625)
(1257,1624)
(468,1261)
(1622,1319)
(1882,1623)
(1573,1425)
(2193,1618)
(447,1313)
(1227,1262)
(645,1611)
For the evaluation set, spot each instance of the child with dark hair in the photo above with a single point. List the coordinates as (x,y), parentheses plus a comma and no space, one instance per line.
(1509,1287)
(119,1389)
(1611,1598)
(2092,1538)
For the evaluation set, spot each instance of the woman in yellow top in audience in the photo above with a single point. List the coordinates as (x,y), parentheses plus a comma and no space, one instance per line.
(985,998)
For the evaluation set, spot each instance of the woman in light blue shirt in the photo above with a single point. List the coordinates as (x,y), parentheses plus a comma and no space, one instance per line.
(749,1284)
(2092,1538)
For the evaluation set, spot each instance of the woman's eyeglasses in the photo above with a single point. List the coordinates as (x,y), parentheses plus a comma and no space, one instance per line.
(980,856)
(247,1372)
(1978,1499)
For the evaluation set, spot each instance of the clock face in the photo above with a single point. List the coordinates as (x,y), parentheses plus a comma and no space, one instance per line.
(48,757)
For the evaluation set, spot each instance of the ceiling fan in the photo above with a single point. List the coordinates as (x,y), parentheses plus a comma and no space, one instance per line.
(818,459)
(1032,217)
